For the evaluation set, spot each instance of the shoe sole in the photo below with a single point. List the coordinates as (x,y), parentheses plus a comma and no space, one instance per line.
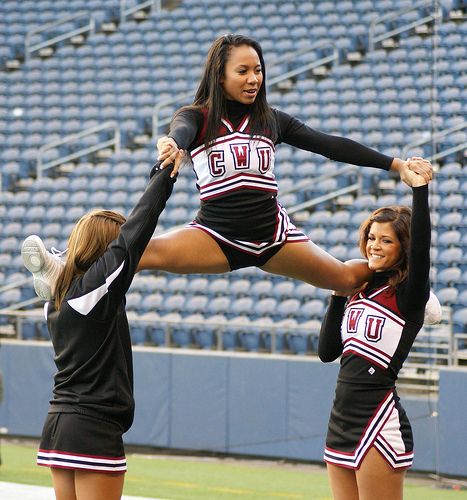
(33,254)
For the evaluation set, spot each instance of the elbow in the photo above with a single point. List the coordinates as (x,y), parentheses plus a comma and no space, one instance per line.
(325,357)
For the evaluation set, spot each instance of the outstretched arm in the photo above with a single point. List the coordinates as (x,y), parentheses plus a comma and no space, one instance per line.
(334,147)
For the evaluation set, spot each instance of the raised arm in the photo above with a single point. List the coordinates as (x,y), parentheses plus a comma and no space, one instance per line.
(105,283)
(414,295)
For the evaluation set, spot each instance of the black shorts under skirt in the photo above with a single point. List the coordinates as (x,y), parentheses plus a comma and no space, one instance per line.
(81,442)
(241,254)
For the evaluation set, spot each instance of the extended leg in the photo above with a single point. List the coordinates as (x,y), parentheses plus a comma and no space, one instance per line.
(184,251)
(307,262)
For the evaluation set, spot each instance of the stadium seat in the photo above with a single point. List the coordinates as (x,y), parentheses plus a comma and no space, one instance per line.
(210,334)
(311,309)
(448,295)
(261,289)
(196,304)
(287,309)
(383,102)
(218,286)
(240,288)
(265,307)
(305,339)
(449,276)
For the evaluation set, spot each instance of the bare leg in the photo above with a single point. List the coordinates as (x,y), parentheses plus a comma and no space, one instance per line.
(96,485)
(377,479)
(184,251)
(308,262)
(343,483)
(64,483)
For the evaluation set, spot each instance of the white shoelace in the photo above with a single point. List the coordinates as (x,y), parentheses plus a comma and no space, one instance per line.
(57,253)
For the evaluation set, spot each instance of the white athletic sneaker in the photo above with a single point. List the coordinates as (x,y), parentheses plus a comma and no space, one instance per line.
(44,265)
(433,312)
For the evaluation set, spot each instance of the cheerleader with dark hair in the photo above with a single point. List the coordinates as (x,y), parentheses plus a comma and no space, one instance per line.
(369,443)
(230,133)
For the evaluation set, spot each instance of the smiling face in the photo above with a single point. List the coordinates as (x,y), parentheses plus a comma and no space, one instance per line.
(383,248)
(243,75)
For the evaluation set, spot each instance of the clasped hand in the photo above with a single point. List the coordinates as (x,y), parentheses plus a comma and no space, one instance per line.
(415,171)
(169,153)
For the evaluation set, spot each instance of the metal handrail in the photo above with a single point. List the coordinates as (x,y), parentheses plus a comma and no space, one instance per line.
(436,136)
(157,123)
(124,11)
(304,183)
(447,152)
(29,49)
(353,188)
(115,142)
(307,67)
(24,303)
(373,39)
(14,284)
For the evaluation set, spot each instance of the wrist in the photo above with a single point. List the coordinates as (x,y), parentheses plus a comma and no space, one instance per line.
(396,165)
(419,181)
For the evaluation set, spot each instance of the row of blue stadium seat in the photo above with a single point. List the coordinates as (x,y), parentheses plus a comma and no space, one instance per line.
(389,105)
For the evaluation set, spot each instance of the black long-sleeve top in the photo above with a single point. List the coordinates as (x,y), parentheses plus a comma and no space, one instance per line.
(187,124)
(410,299)
(249,213)
(90,332)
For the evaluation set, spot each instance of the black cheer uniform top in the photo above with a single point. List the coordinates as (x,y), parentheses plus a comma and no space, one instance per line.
(90,332)
(374,331)
(235,175)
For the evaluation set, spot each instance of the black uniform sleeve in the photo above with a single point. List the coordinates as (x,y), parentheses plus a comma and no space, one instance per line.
(413,294)
(99,292)
(300,135)
(330,342)
(185,126)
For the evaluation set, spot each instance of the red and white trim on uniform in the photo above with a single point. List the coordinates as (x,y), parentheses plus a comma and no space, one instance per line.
(64,460)
(368,352)
(285,231)
(236,182)
(234,161)
(370,329)
(382,431)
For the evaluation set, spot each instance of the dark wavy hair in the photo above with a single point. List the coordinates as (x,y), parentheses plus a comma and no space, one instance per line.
(210,94)
(399,217)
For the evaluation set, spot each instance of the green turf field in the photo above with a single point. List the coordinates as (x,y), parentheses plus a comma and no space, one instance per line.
(178,478)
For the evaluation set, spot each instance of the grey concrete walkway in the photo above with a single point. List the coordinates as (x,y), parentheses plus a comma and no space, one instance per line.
(14,491)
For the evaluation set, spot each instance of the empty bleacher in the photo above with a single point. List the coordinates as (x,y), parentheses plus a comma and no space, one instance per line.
(393,99)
